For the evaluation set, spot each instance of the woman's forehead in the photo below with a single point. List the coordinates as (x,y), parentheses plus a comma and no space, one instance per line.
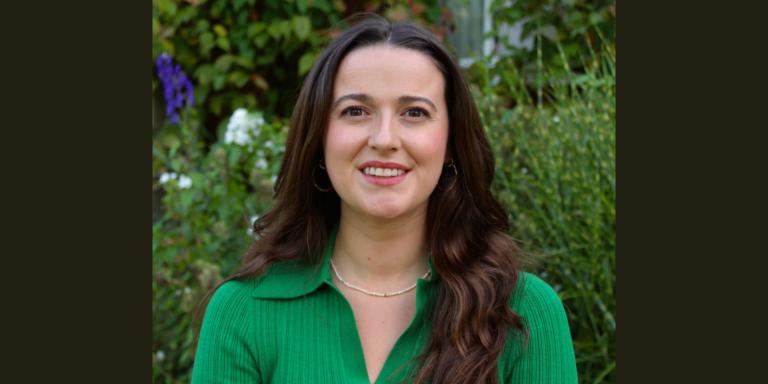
(386,71)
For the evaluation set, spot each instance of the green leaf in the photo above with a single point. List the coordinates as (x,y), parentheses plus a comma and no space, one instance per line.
(261,40)
(244,61)
(255,28)
(220,30)
(155,27)
(305,62)
(206,43)
(204,74)
(186,199)
(224,62)
(237,4)
(166,7)
(223,43)
(301,5)
(186,14)
(218,81)
(217,103)
(595,18)
(322,5)
(302,26)
(238,78)
(202,26)
(285,27)
(274,30)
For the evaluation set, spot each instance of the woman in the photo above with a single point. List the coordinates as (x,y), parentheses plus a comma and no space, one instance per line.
(385,258)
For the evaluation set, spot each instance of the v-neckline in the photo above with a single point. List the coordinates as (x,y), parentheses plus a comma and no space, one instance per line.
(354,356)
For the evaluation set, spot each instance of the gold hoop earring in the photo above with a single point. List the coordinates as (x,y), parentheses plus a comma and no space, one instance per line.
(455,175)
(455,171)
(321,166)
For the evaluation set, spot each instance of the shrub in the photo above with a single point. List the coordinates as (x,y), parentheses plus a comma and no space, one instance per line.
(555,173)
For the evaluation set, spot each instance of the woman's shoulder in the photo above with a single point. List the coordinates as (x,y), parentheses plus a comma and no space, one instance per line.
(229,295)
(546,354)
(233,289)
(533,294)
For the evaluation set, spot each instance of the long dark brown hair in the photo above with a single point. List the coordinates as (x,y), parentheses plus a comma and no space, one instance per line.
(476,261)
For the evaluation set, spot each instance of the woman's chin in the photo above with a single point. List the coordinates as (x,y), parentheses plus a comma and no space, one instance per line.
(386,214)
(382,209)
(386,211)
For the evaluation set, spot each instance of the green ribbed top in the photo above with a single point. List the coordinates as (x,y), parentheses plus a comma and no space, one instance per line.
(292,325)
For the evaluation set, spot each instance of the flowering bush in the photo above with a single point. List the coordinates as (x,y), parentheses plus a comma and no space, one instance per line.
(209,201)
(243,126)
(253,54)
(177,89)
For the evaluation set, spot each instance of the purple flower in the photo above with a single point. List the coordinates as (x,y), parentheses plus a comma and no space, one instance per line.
(177,89)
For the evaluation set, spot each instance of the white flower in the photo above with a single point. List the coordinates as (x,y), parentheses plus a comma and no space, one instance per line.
(466,62)
(184,182)
(261,164)
(242,126)
(269,144)
(250,227)
(556,119)
(167,176)
(160,355)
(493,60)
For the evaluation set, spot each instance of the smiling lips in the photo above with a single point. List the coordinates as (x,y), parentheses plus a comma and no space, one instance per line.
(383,173)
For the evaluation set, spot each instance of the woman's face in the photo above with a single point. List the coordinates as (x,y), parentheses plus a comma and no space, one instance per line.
(387,134)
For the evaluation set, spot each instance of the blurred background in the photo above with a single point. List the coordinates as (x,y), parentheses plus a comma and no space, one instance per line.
(226,74)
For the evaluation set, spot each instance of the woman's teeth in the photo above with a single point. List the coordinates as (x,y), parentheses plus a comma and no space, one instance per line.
(383,172)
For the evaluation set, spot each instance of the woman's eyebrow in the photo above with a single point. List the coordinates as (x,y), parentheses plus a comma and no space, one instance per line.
(407,99)
(364,98)
(361,97)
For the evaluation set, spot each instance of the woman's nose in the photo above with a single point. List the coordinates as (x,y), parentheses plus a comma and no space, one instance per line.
(385,133)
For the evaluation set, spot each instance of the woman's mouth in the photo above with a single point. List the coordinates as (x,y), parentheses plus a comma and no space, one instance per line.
(384,176)
(383,172)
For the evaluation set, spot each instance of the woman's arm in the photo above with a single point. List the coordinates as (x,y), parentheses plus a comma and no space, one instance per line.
(548,356)
(225,353)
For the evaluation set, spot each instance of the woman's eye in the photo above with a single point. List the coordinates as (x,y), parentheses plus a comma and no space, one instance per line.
(416,113)
(353,112)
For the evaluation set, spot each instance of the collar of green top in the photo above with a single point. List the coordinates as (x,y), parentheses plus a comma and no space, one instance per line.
(292,279)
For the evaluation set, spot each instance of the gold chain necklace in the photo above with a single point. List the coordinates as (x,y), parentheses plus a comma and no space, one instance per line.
(377,294)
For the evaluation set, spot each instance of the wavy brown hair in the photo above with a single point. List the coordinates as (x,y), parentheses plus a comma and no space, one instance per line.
(476,261)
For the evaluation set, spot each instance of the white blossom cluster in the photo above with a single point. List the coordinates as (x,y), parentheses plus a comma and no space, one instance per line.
(250,227)
(243,126)
(184,181)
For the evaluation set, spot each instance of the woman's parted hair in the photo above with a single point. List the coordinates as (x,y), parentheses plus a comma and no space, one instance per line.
(477,262)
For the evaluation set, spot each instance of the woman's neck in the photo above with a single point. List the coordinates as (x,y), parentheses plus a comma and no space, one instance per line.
(381,255)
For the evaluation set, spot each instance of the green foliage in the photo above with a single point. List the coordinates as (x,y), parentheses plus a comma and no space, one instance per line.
(555,173)
(253,54)
(204,226)
(550,114)
(563,36)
